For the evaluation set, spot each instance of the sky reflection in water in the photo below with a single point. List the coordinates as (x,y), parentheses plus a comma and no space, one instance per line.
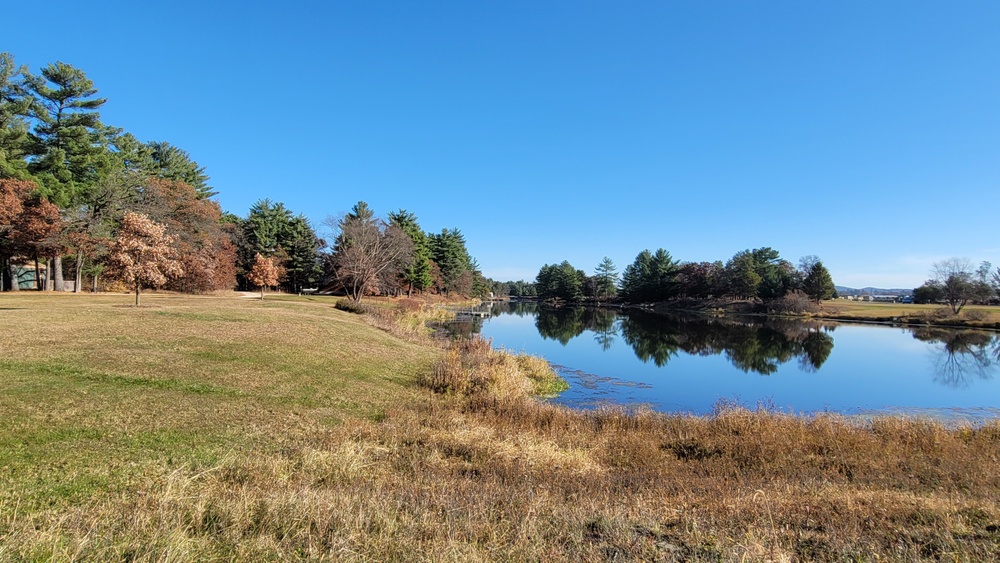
(689,364)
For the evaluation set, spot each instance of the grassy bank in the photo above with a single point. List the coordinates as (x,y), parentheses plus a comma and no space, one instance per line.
(971,316)
(221,429)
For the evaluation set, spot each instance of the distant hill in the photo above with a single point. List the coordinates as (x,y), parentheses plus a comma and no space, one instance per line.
(844,291)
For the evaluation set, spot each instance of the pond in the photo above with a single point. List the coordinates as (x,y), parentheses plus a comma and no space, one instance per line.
(689,364)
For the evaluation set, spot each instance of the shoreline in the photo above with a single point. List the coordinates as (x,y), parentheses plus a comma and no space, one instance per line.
(923,316)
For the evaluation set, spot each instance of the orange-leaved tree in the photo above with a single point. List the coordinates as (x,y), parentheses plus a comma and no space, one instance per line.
(264,273)
(29,227)
(141,254)
(203,246)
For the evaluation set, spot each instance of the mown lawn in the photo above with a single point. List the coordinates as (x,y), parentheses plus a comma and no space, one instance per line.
(99,399)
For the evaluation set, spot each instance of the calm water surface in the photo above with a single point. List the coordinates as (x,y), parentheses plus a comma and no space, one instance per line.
(676,364)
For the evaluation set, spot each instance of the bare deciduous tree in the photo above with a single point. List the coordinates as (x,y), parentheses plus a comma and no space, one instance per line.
(955,279)
(368,252)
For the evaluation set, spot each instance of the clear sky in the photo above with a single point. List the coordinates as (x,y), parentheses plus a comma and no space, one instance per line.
(867,133)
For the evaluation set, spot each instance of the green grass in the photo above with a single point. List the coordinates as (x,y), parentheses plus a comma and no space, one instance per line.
(185,379)
(230,429)
(971,315)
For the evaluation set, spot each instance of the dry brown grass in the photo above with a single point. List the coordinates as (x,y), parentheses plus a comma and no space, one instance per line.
(985,316)
(229,462)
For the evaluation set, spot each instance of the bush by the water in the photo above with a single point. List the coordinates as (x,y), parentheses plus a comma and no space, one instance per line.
(795,303)
(472,368)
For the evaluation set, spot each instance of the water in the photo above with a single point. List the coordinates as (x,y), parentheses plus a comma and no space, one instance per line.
(690,364)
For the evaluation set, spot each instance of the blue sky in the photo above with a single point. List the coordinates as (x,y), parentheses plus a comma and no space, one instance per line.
(867,133)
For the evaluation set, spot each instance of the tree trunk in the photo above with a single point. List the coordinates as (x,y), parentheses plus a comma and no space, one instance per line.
(38,274)
(79,273)
(261,293)
(137,288)
(12,272)
(94,287)
(48,274)
(57,273)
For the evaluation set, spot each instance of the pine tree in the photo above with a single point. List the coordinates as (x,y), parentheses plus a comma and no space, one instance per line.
(68,145)
(742,278)
(560,281)
(15,107)
(651,277)
(818,284)
(607,278)
(301,245)
(66,134)
(265,227)
(449,253)
(417,274)
(169,162)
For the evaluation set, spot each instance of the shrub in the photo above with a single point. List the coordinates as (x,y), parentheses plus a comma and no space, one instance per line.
(976,314)
(472,368)
(352,306)
(795,302)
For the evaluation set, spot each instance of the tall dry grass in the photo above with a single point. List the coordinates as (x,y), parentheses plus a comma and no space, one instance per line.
(475,469)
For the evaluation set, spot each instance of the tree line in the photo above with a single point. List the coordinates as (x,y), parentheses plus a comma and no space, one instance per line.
(82,197)
(757,274)
(957,282)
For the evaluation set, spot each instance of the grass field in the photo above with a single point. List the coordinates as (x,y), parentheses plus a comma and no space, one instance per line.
(971,315)
(212,428)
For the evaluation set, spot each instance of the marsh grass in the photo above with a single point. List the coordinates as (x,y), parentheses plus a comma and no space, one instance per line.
(322,437)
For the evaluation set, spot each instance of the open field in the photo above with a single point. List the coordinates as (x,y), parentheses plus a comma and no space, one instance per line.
(210,428)
(980,316)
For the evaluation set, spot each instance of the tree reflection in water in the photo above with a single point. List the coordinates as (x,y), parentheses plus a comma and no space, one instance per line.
(750,345)
(962,356)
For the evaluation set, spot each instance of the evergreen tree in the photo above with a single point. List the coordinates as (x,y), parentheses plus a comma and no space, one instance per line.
(164,160)
(818,284)
(301,246)
(15,105)
(67,133)
(417,274)
(607,278)
(263,230)
(68,148)
(560,281)
(742,279)
(651,277)
(452,258)
(271,230)
(778,277)
(663,283)
(362,212)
